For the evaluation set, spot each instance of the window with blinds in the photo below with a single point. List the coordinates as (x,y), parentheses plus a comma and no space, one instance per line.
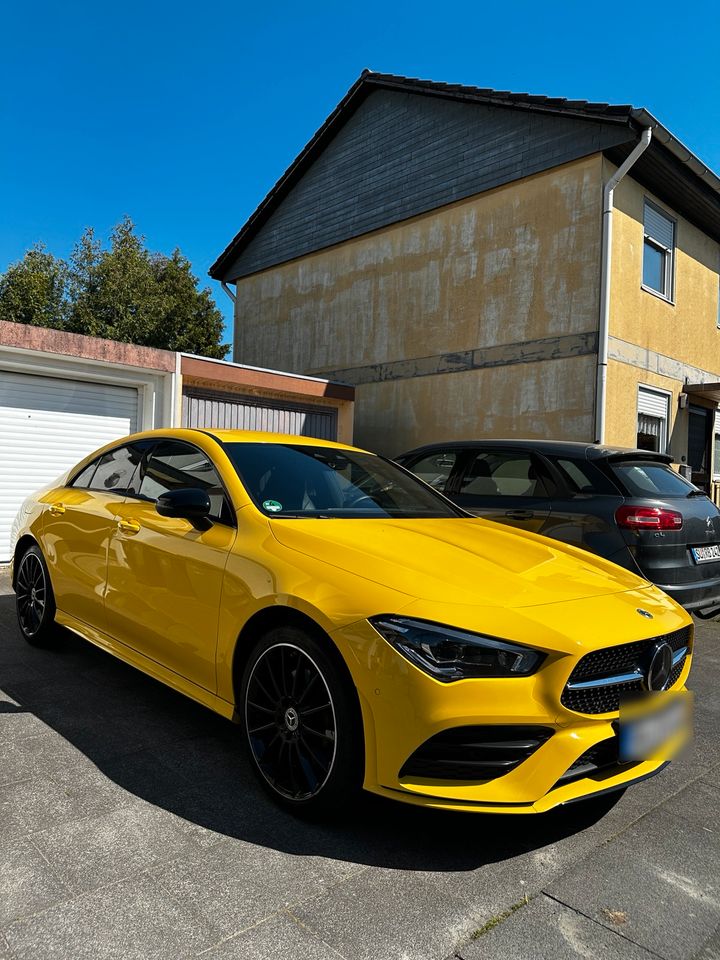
(658,251)
(652,425)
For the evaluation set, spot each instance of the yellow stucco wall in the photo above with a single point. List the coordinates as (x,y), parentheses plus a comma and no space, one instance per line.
(549,399)
(516,263)
(686,329)
(512,265)
(622,392)
(678,340)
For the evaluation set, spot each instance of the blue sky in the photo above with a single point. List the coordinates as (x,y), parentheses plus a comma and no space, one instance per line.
(184,114)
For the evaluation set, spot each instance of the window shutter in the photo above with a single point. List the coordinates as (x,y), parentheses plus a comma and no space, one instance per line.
(653,404)
(659,227)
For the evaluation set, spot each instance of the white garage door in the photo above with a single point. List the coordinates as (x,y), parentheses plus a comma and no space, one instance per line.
(47,424)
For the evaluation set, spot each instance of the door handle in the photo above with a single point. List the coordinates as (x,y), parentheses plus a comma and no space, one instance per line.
(57,509)
(520,514)
(128,526)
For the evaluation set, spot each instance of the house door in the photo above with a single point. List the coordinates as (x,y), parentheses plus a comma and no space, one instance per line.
(699,446)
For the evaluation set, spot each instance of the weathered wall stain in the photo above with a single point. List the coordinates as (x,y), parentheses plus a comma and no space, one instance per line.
(501,281)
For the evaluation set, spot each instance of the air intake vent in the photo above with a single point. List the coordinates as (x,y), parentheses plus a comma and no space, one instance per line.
(475,753)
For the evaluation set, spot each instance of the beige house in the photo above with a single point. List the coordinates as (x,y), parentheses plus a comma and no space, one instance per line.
(467,260)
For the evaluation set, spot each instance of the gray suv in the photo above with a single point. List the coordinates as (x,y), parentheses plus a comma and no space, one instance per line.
(626,505)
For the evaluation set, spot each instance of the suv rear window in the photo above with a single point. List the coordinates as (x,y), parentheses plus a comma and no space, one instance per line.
(644,478)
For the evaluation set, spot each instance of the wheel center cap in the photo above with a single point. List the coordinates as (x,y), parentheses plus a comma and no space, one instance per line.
(292,720)
(32,595)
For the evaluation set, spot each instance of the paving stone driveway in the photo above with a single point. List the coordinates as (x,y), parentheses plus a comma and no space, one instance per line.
(131,828)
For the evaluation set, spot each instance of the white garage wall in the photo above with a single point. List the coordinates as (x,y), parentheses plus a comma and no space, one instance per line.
(47,424)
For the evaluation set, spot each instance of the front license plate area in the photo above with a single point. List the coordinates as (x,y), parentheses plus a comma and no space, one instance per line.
(649,732)
(708,553)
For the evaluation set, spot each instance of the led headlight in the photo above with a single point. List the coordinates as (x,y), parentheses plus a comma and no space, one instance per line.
(448,654)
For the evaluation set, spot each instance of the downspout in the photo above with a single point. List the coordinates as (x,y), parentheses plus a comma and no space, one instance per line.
(605,277)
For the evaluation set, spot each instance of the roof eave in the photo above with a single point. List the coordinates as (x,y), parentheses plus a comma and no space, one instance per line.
(661,133)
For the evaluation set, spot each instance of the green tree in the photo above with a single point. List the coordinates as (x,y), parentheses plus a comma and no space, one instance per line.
(127,293)
(189,320)
(34,289)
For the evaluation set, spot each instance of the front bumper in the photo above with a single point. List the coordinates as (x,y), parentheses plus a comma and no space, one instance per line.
(403,707)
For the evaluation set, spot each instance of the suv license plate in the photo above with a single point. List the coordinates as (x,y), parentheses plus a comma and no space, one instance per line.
(706,554)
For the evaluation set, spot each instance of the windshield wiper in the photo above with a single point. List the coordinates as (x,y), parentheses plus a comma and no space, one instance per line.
(697,493)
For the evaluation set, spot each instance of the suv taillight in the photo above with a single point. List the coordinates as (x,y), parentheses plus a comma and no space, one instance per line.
(648,518)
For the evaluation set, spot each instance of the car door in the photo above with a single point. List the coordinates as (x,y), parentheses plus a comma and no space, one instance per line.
(583,509)
(79,522)
(165,575)
(508,485)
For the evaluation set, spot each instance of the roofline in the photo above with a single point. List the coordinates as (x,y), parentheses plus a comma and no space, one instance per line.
(295,167)
(592,451)
(277,373)
(636,118)
(661,133)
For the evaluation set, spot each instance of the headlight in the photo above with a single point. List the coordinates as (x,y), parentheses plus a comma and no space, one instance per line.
(448,654)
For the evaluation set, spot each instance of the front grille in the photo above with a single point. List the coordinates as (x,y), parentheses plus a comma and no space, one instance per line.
(611,662)
(475,753)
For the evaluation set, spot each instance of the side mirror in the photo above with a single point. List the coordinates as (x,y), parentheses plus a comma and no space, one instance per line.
(188,503)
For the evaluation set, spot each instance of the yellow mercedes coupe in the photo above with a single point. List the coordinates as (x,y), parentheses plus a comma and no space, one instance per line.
(361,629)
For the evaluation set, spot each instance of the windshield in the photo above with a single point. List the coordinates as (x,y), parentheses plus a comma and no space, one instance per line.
(648,479)
(287,480)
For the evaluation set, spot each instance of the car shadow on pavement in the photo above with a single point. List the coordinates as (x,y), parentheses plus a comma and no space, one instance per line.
(161,747)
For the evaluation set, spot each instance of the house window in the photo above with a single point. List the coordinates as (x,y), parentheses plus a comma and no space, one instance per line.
(658,251)
(716,448)
(652,422)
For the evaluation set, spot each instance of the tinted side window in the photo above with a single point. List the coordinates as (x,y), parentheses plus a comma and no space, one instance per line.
(584,477)
(84,478)
(115,470)
(492,473)
(174,465)
(435,468)
(645,479)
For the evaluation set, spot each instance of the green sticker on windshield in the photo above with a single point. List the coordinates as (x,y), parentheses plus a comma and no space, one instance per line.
(272,506)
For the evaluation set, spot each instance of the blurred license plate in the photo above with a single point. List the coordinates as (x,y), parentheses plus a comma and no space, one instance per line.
(706,554)
(644,734)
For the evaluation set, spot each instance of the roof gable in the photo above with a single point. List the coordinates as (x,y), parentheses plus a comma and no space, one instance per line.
(397,147)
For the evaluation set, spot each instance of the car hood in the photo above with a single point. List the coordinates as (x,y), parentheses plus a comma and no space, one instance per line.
(461,560)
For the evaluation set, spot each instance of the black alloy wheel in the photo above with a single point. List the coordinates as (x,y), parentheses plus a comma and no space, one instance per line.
(301,722)
(34,599)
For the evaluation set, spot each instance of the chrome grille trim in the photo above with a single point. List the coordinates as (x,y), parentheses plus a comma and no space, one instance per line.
(604,677)
(678,656)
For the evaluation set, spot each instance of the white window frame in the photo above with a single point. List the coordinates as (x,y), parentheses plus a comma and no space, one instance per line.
(668,291)
(657,395)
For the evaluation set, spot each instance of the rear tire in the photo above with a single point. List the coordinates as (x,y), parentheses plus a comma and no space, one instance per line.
(302,723)
(34,599)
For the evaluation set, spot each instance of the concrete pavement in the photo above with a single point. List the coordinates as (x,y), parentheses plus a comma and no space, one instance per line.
(131,827)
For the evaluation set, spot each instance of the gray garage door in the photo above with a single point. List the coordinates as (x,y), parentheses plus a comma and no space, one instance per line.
(204,408)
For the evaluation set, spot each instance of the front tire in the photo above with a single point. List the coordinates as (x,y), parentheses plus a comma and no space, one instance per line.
(34,598)
(302,723)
